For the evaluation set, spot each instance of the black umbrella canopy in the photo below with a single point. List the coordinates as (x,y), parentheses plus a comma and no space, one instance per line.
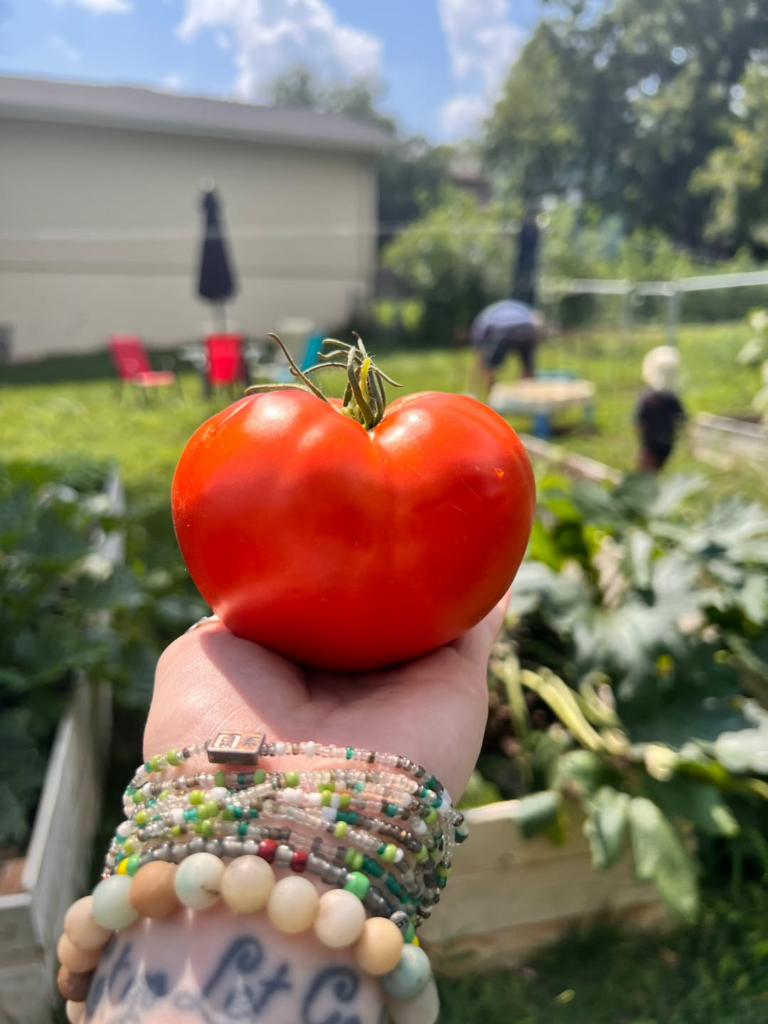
(216,282)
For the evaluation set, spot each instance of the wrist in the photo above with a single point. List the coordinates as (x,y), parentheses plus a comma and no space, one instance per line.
(221,966)
(375,831)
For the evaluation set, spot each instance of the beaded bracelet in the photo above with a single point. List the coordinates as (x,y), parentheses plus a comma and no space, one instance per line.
(223,817)
(225,804)
(169,852)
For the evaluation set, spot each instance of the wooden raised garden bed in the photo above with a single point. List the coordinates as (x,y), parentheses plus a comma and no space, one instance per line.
(724,441)
(39,887)
(509,895)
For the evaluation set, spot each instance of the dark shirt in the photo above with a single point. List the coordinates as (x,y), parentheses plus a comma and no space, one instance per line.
(659,416)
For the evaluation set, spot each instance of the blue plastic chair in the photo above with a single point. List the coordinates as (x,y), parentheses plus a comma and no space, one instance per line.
(312,351)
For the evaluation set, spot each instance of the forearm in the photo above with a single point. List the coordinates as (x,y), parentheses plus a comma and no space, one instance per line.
(217,966)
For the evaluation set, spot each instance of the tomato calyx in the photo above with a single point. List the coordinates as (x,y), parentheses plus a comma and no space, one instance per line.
(364,398)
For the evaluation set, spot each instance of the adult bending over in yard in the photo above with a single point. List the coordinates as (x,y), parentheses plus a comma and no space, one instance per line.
(500,329)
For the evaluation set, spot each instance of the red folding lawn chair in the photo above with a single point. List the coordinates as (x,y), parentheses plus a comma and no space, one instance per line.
(132,364)
(225,361)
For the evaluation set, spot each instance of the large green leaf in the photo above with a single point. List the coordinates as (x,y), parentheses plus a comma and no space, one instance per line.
(697,802)
(640,554)
(745,750)
(537,812)
(579,773)
(660,857)
(674,492)
(538,586)
(753,598)
(606,825)
(698,700)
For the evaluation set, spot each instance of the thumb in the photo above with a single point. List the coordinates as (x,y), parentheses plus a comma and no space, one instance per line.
(477,644)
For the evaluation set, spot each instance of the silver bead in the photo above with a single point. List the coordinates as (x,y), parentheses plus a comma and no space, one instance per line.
(179,852)
(162,852)
(315,864)
(331,875)
(250,847)
(283,855)
(196,845)
(213,846)
(231,847)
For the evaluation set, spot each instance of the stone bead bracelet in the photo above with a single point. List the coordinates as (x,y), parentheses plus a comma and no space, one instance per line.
(388,900)
(247,885)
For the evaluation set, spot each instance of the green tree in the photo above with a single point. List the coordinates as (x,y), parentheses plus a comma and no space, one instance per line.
(623,100)
(735,175)
(456,259)
(359,99)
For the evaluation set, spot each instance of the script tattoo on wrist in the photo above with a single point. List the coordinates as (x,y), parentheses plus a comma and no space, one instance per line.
(244,985)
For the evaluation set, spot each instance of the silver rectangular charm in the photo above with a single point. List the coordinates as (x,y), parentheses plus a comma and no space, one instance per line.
(236,747)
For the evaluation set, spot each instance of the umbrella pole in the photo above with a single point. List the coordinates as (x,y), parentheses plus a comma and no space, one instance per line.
(223,317)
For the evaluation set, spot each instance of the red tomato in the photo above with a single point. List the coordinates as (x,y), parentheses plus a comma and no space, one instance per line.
(350,549)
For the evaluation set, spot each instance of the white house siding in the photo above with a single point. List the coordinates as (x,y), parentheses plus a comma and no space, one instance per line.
(100,229)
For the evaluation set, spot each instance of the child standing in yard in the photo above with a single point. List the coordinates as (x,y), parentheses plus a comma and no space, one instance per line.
(659,415)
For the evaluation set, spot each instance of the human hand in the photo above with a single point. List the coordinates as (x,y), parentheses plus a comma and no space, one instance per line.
(432,710)
(182,968)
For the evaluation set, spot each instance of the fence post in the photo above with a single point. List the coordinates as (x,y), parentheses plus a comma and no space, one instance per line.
(673,313)
(626,316)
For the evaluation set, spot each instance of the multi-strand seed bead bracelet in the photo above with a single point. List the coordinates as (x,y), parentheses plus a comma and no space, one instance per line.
(382,839)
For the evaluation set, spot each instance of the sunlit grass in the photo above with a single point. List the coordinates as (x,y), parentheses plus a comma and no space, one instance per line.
(91,418)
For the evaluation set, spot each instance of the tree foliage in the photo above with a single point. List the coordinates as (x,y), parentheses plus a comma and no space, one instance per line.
(456,259)
(359,99)
(623,101)
(735,175)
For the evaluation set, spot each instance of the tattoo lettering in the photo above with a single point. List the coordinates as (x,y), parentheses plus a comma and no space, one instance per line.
(243,987)
(130,993)
(232,988)
(120,967)
(331,986)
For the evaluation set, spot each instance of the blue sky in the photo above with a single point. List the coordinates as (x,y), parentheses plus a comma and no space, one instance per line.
(442,61)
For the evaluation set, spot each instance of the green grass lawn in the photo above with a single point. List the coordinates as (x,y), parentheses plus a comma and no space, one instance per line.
(51,419)
(716,973)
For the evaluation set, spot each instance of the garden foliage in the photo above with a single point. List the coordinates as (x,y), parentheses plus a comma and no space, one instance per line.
(67,611)
(632,677)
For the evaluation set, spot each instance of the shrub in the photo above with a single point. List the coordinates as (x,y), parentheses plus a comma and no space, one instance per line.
(65,610)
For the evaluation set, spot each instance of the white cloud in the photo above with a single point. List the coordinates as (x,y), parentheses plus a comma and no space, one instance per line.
(99,6)
(172,82)
(269,37)
(461,115)
(482,43)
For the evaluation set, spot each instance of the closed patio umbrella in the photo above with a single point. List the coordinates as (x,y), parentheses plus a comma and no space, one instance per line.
(216,282)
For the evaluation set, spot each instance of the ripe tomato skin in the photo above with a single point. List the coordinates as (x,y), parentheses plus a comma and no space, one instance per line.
(347,549)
